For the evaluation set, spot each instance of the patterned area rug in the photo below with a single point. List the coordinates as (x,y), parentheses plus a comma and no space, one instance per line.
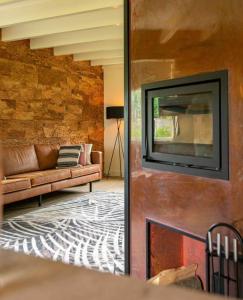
(88,231)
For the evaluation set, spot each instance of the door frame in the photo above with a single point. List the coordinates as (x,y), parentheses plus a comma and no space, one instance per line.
(127,132)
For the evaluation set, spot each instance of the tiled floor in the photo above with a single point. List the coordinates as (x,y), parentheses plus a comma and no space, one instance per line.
(18,208)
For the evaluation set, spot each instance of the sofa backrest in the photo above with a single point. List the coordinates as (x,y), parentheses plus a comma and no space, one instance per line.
(22,159)
(19,159)
(47,155)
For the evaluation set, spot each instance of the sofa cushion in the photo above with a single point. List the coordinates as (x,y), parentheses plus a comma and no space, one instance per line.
(44,177)
(14,185)
(25,194)
(85,170)
(47,155)
(59,185)
(19,159)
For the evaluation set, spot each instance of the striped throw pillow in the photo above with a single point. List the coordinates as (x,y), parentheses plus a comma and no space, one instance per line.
(69,156)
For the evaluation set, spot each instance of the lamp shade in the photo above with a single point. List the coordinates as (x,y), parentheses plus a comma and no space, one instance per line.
(115,112)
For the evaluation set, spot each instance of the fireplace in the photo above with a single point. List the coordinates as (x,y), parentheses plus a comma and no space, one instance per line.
(185,125)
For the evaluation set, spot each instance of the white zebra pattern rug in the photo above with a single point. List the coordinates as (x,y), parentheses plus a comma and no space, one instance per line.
(88,231)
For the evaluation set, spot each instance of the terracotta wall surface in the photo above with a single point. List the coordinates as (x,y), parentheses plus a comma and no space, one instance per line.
(171,39)
(48,99)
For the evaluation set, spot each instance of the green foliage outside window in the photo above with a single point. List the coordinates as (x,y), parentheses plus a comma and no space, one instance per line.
(163,132)
(156,107)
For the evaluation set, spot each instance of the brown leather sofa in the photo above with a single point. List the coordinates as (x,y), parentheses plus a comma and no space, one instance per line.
(30,171)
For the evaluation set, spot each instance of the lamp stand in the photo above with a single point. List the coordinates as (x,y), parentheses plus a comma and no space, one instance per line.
(118,142)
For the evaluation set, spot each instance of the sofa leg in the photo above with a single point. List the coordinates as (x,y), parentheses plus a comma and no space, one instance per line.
(40,200)
(90,187)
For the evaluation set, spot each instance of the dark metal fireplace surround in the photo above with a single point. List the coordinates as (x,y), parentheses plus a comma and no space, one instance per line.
(185,125)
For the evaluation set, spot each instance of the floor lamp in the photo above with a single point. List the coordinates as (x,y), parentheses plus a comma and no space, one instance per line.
(116,112)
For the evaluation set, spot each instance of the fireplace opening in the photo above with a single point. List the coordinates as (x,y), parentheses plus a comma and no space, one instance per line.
(185,125)
(168,248)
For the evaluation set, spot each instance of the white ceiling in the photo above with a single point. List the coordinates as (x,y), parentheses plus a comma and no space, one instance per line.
(88,29)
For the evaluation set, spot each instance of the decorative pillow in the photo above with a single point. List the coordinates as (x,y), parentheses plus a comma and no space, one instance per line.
(85,155)
(69,156)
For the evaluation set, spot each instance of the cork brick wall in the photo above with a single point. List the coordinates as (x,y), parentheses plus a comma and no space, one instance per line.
(48,99)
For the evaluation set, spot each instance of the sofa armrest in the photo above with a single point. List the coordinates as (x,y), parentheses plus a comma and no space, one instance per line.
(97,158)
